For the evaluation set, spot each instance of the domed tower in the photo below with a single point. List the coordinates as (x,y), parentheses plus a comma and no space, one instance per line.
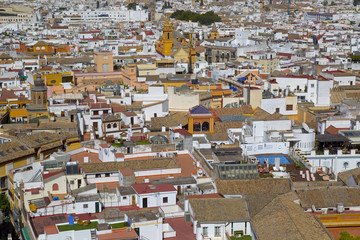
(38,104)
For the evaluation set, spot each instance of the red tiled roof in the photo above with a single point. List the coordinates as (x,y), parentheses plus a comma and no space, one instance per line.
(143,188)
(119,155)
(130,114)
(182,132)
(184,230)
(47,175)
(104,145)
(49,230)
(127,172)
(99,105)
(149,33)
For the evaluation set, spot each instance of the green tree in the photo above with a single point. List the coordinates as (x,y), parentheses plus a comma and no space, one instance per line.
(207,18)
(4,203)
(325,3)
(346,236)
(131,6)
(202,3)
(332,3)
(356,2)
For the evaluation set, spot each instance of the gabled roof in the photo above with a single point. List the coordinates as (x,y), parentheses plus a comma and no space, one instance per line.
(258,192)
(284,219)
(83,189)
(219,209)
(329,197)
(332,130)
(350,175)
(14,150)
(53,177)
(262,115)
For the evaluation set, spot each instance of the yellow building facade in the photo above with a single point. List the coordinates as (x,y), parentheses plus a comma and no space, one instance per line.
(164,46)
(200,120)
(55,79)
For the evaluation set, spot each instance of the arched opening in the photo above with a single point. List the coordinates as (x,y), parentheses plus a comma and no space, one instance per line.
(114,125)
(205,127)
(55,187)
(197,127)
(346,164)
(109,125)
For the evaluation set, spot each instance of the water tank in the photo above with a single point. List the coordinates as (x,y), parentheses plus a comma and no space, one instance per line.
(340,207)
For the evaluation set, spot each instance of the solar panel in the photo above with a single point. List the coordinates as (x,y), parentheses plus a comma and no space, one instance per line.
(38,141)
(47,138)
(2,154)
(72,169)
(22,148)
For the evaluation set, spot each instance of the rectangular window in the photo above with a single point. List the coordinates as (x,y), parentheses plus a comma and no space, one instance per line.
(96,112)
(97,175)
(165,199)
(312,85)
(205,231)
(72,182)
(107,174)
(105,67)
(105,57)
(217,231)
(289,107)
(124,198)
(277,110)
(85,205)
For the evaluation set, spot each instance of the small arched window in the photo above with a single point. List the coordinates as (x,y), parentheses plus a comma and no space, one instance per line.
(109,125)
(55,187)
(346,164)
(358,164)
(114,125)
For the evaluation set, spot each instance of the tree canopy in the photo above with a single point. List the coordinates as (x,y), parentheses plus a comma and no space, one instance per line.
(4,203)
(207,18)
(346,236)
(132,6)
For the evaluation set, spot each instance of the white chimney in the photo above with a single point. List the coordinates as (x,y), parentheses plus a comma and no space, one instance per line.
(277,163)
(163,129)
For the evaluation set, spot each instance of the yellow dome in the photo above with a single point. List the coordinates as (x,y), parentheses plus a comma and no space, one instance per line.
(32,207)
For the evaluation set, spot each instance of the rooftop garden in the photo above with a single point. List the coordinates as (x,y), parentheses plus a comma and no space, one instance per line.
(82,225)
(245,237)
(78,226)
(142,142)
(120,225)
